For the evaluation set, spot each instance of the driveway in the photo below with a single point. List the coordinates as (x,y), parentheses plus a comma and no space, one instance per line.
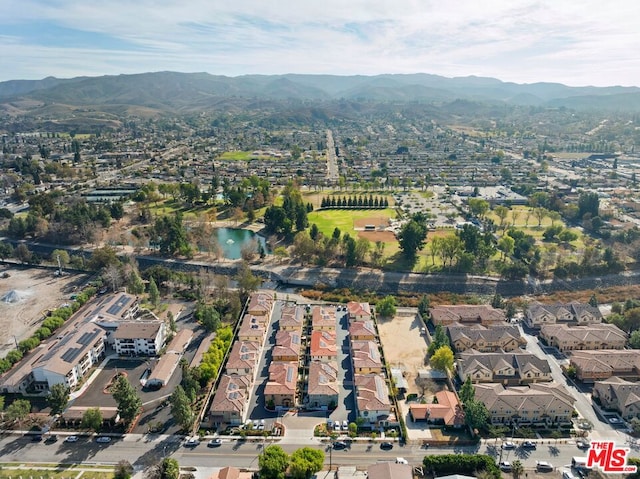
(346,400)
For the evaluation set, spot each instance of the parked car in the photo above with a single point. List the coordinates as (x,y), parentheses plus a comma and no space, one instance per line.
(36,438)
(339,445)
(505,466)
(508,445)
(216,442)
(529,445)
(71,439)
(543,466)
(51,438)
(583,444)
(345,425)
(386,446)
(103,439)
(336,426)
(568,475)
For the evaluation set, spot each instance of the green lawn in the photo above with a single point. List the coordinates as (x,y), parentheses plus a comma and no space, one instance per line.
(242,156)
(328,220)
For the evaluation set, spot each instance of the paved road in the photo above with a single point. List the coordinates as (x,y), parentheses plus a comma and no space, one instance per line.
(142,451)
(332,161)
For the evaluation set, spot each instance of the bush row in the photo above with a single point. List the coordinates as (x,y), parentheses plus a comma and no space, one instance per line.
(212,359)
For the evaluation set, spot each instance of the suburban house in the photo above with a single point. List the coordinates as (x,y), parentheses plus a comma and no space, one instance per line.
(372,399)
(287,346)
(595,336)
(253,328)
(466,314)
(323,318)
(619,394)
(139,338)
(243,358)
(260,304)
(598,365)
(366,357)
(230,400)
(291,319)
(500,367)
(169,361)
(67,359)
(574,313)
(484,339)
(536,404)
(358,311)
(447,411)
(280,389)
(322,385)
(362,330)
(323,346)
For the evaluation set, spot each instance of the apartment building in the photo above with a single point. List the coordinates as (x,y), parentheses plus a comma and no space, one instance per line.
(501,367)
(602,364)
(287,347)
(366,357)
(359,311)
(620,395)
(291,319)
(243,358)
(280,390)
(322,385)
(595,336)
(362,331)
(372,399)
(323,346)
(323,318)
(537,404)
(484,339)
(139,338)
(466,314)
(574,313)
(230,400)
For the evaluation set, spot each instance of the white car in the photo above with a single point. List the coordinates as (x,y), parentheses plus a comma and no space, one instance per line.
(71,439)
(103,439)
(345,425)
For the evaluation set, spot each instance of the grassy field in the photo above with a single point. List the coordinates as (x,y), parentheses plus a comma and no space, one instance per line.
(328,220)
(242,156)
(54,473)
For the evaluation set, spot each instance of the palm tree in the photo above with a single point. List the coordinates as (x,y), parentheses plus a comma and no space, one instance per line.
(517,468)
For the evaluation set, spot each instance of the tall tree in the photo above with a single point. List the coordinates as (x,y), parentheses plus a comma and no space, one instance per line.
(92,419)
(439,339)
(305,462)
(58,397)
(154,294)
(273,462)
(181,408)
(467,391)
(207,316)
(247,281)
(442,359)
(18,410)
(476,414)
(127,399)
(386,307)
(412,237)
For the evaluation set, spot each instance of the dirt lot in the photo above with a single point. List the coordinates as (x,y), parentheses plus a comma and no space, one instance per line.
(377,221)
(404,346)
(373,236)
(25,296)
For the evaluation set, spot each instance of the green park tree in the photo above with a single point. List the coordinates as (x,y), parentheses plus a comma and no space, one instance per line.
(273,462)
(127,399)
(58,397)
(92,419)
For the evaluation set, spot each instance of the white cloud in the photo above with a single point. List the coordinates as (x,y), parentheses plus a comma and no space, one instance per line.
(587,42)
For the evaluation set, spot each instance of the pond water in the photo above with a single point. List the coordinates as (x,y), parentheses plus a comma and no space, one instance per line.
(232,240)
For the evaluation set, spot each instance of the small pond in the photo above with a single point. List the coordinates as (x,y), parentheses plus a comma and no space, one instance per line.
(232,240)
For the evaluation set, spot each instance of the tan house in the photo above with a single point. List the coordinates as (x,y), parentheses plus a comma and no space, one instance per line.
(366,357)
(484,339)
(446,411)
(500,367)
(260,304)
(323,318)
(537,404)
(291,319)
(243,358)
(287,346)
(322,385)
(619,394)
(466,314)
(280,389)
(362,330)
(372,399)
(253,328)
(595,336)
(230,400)
(359,311)
(574,313)
(323,346)
(598,365)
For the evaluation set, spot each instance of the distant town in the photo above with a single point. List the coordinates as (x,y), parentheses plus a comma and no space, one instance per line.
(398,289)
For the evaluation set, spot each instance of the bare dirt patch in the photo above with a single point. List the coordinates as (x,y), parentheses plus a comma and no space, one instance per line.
(28,294)
(377,221)
(404,346)
(384,236)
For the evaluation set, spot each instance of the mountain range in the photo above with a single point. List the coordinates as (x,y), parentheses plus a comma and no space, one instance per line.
(187,92)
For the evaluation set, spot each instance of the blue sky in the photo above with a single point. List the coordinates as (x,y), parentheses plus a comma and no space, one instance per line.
(586,42)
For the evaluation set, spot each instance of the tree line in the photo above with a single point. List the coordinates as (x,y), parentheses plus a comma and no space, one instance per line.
(360,201)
